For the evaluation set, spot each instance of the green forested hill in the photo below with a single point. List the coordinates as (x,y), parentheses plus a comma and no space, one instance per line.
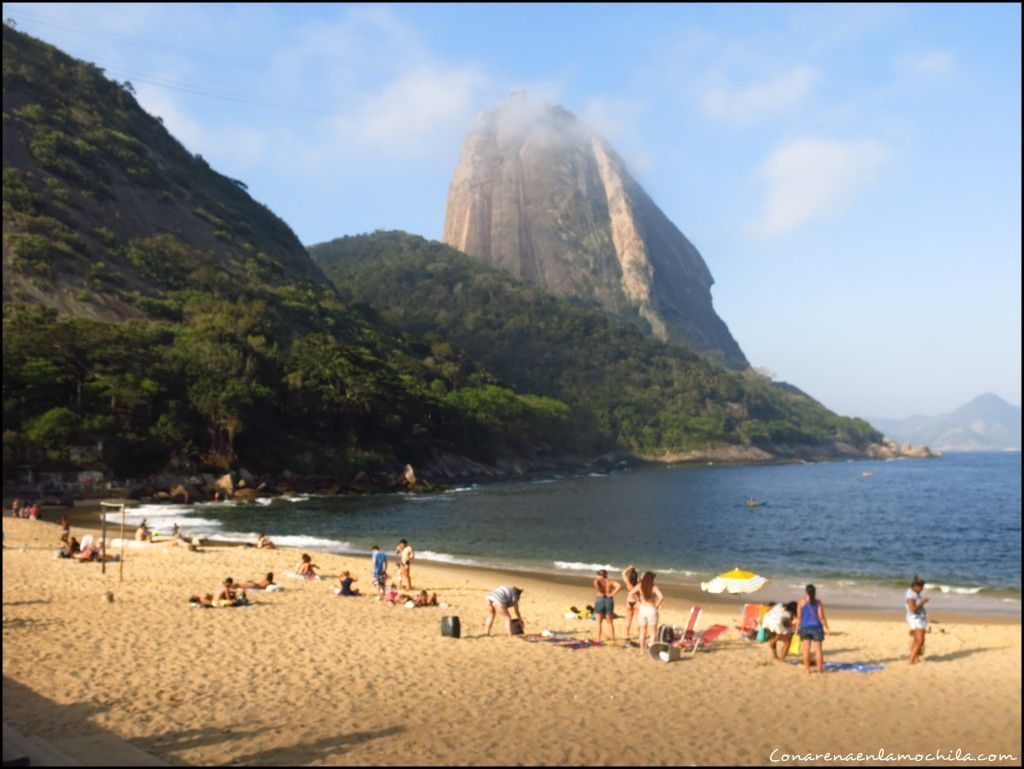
(155,315)
(626,391)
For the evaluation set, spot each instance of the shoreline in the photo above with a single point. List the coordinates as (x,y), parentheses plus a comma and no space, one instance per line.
(847,602)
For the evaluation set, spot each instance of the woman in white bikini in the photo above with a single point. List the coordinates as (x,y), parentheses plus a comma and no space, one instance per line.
(648,598)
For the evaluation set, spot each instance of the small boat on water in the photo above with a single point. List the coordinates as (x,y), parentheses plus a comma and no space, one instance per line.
(752,502)
(867,473)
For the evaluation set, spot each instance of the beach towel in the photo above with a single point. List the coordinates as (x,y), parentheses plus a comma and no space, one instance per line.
(293,575)
(562,641)
(860,667)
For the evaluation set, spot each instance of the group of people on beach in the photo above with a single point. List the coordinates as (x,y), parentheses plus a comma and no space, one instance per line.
(21,509)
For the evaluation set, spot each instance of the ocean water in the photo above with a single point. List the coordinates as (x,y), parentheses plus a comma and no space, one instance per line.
(853,526)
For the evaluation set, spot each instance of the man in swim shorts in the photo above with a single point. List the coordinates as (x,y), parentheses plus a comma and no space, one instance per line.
(405,556)
(604,606)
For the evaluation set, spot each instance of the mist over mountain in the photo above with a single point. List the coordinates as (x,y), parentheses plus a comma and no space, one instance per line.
(543,197)
(987,423)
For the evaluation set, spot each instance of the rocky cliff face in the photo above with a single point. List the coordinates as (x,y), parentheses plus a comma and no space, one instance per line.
(543,197)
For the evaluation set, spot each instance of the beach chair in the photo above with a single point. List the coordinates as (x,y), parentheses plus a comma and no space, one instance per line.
(705,639)
(749,620)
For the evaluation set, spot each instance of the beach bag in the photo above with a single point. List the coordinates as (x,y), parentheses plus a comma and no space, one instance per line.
(517,627)
(451,627)
(666,634)
(762,635)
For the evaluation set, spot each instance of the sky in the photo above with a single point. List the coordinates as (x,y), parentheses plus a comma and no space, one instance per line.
(851,174)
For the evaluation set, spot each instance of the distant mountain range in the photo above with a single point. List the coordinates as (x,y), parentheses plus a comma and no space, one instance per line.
(987,423)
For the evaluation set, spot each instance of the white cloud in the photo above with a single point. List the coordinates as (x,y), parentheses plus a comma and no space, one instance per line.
(929,64)
(414,110)
(763,98)
(809,178)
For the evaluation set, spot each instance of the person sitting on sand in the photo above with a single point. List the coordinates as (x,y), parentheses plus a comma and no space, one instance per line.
(813,628)
(604,606)
(391,595)
(778,622)
(90,552)
(346,584)
(424,600)
(917,618)
(69,546)
(263,542)
(143,534)
(33,512)
(262,584)
(499,601)
(648,598)
(225,594)
(306,567)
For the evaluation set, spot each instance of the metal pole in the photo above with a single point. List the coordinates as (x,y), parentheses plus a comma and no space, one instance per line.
(120,566)
(103,539)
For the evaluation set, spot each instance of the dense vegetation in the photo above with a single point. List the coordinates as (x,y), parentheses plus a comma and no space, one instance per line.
(626,391)
(156,317)
(209,339)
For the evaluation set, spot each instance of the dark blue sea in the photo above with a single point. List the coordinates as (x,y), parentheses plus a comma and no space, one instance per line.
(955,520)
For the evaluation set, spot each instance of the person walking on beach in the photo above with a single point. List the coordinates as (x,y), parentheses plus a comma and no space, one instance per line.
(813,627)
(499,601)
(604,606)
(379,570)
(648,598)
(405,556)
(631,578)
(916,618)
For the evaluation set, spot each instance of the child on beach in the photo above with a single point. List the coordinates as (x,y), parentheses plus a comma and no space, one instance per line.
(813,628)
(391,596)
(346,585)
(917,618)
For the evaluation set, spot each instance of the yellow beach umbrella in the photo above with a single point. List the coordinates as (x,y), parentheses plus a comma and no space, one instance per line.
(735,581)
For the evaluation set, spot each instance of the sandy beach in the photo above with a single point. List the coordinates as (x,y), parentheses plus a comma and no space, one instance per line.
(304,677)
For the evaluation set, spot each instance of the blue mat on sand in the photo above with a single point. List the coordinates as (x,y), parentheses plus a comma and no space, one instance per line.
(860,667)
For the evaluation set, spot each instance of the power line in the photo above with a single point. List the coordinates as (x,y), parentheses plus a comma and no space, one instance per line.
(132,39)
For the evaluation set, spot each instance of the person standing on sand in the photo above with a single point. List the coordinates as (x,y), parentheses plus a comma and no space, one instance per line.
(379,569)
(648,598)
(499,601)
(916,618)
(813,628)
(405,556)
(631,578)
(604,606)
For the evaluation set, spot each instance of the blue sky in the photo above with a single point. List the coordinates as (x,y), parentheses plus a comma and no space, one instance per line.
(851,174)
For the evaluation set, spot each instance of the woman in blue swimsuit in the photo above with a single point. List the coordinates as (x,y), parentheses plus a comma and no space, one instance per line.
(813,627)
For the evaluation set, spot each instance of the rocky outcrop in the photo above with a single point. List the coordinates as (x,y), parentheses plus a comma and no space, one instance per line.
(890,449)
(544,198)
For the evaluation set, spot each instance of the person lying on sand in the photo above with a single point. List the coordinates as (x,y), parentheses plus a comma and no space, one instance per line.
(206,600)
(263,542)
(423,600)
(262,584)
